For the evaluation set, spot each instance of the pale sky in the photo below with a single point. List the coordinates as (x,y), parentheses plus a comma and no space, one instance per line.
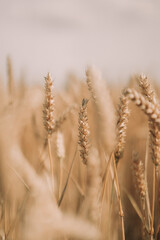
(120,37)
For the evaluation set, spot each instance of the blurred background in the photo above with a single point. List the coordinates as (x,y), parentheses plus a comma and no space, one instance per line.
(121,37)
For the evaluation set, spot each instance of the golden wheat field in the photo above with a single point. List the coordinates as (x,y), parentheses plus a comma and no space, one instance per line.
(82,162)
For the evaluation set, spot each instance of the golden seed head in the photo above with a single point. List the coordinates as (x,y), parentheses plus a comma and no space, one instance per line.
(138,170)
(83,131)
(123,112)
(48,110)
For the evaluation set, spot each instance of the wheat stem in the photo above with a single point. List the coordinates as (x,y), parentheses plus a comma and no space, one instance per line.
(158,205)
(51,163)
(119,198)
(153,202)
(67,180)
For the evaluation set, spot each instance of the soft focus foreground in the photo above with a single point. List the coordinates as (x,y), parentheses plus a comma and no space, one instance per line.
(81,163)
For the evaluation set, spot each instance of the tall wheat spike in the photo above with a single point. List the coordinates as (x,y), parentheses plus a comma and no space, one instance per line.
(48,116)
(84,132)
(149,92)
(140,183)
(122,123)
(48,108)
(146,88)
(138,170)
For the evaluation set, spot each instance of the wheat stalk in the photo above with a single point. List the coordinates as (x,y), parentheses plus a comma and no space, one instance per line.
(121,214)
(48,117)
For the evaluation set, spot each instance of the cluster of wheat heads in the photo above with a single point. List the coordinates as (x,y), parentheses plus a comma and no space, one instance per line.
(81,163)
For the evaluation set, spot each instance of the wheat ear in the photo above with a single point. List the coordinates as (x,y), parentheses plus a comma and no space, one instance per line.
(48,116)
(139,177)
(84,132)
(146,88)
(122,123)
(149,93)
(150,109)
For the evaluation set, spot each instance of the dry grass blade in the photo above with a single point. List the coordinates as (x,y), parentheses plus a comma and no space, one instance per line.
(20,178)
(67,181)
(18,215)
(76,183)
(61,119)
(134,204)
(136,208)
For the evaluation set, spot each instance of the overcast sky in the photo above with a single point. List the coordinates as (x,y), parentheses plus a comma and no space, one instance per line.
(121,37)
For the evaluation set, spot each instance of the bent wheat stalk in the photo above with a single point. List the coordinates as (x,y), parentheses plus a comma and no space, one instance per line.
(61,119)
(150,109)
